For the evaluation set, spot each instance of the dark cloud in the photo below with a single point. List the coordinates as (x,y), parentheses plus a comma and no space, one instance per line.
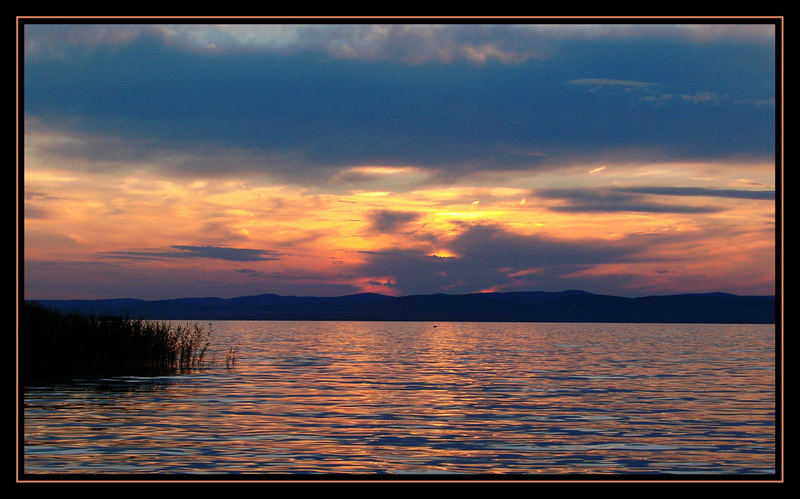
(614,200)
(413,271)
(700,191)
(34,201)
(493,246)
(386,283)
(250,272)
(298,114)
(390,221)
(180,251)
(35,194)
(488,255)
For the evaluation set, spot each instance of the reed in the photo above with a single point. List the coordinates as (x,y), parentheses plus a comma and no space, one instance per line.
(230,357)
(53,343)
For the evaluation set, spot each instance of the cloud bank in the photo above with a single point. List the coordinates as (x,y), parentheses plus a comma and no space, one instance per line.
(285,103)
(162,160)
(184,251)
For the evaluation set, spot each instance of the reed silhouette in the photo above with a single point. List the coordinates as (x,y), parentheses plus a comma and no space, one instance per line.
(54,343)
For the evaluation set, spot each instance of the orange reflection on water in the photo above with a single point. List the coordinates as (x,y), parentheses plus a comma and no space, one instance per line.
(350,397)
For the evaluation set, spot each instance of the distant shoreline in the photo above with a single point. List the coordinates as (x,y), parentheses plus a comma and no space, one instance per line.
(535,306)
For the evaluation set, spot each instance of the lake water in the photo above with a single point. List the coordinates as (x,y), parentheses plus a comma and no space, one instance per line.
(427,398)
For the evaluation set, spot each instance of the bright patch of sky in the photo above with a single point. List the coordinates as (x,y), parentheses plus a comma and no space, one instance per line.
(323,158)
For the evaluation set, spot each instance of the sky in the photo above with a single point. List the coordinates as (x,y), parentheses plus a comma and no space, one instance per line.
(183,160)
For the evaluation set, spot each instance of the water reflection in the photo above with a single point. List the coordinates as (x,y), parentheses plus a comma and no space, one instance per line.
(351,397)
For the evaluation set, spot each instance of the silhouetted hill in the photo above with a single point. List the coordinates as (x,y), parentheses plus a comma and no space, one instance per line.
(534,306)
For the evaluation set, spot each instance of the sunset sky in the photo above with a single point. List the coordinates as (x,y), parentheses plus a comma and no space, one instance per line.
(177,160)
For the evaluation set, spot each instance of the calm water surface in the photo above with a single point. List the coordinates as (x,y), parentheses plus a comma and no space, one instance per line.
(423,397)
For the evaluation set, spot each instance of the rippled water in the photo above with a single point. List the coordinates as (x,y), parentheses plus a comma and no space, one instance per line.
(421,397)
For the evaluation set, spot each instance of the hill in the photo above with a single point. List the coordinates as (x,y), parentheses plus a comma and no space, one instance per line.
(534,306)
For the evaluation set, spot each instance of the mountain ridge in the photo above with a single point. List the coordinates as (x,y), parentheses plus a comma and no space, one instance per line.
(515,306)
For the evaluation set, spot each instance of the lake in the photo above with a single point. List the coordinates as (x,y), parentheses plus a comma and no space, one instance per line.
(427,398)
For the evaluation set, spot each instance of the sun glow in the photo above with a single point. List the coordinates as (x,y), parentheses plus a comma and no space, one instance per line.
(443,253)
(321,234)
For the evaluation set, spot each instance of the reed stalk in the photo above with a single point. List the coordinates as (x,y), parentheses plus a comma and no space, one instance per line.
(52,343)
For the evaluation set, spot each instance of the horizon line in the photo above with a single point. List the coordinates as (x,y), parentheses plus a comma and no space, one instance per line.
(698,293)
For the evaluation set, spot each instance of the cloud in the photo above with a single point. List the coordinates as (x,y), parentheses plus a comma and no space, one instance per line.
(412,43)
(493,246)
(49,240)
(139,116)
(409,43)
(608,81)
(107,278)
(390,221)
(250,272)
(274,107)
(181,251)
(489,256)
(701,191)
(706,97)
(614,200)
(413,271)
(36,194)
(492,257)
(33,200)
(696,33)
